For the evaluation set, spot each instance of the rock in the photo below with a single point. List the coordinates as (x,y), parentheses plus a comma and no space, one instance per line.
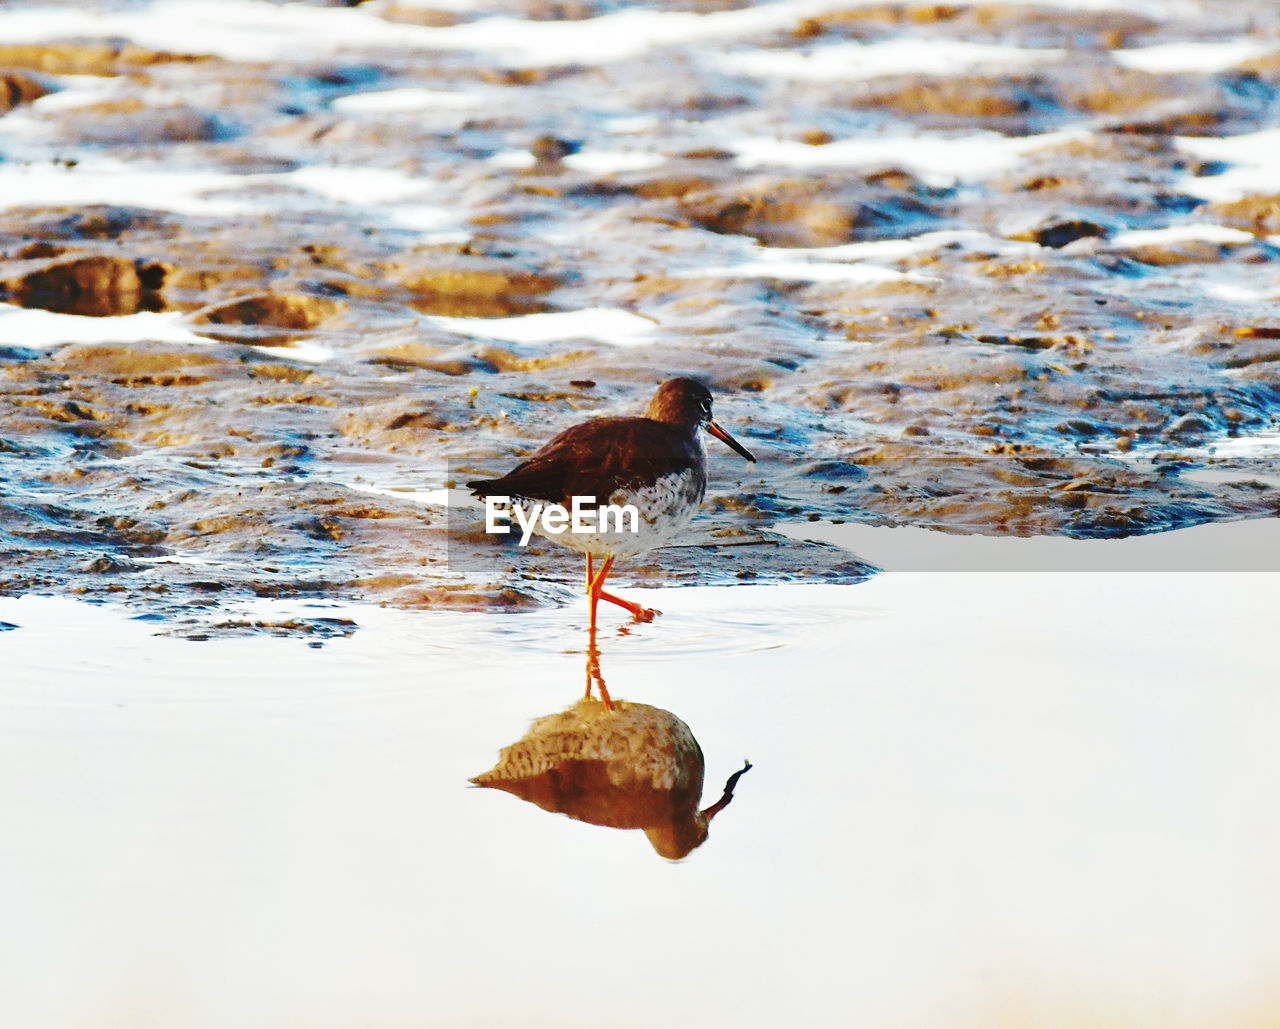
(1256,213)
(87,58)
(1190,424)
(17,88)
(959,100)
(473,287)
(100,286)
(142,363)
(130,122)
(98,222)
(551,150)
(1057,234)
(810,212)
(298,311)
(411,14)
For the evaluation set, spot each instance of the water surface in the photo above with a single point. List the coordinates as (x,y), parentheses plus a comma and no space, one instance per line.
(976,799)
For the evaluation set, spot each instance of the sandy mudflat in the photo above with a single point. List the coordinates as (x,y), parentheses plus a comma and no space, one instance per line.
(270,271)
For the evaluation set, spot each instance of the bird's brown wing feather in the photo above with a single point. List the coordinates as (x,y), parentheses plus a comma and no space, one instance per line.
(594,458)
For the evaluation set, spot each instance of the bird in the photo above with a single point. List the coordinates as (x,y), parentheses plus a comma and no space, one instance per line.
(655,463)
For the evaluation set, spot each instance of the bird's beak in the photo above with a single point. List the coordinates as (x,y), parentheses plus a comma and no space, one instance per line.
(714,428)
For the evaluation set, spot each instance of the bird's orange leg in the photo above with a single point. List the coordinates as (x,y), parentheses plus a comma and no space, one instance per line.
(597,581)
(592,597)
(594,585)
(638,612)
(596,590)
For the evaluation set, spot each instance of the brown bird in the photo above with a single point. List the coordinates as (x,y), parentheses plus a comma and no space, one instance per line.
(655,464)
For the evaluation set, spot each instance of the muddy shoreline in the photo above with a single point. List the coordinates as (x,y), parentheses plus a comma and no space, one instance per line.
(1023,289)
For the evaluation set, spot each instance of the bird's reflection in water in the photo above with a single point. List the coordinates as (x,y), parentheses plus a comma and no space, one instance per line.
(614,763)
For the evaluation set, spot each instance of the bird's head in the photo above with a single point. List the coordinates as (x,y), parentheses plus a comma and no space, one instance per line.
(686,403)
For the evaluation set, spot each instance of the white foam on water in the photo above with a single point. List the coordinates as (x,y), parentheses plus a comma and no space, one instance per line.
(844,262)
(1255,157)
(1174,234)
(238,30)
(1256,445)
(351,185)
(937,160)
(426,497)
(253,30)
(910,246)
(1236,292)
(1246,147)
(602,324)
(38,329)
(410,100)
(77,91)
(1156,10)
(612,162)
(30,124)
(381,193)
(854,61)
(304,350)
(105,181)
(808,271)
(517,159)
(633,124)
(436,226)
(459,6)
(617,35)
(1226,476)
(1201,58)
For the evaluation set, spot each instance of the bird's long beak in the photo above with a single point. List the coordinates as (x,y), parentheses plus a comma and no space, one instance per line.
(714,428)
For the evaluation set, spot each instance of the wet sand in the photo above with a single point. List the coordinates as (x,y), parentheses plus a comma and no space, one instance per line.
(976,800)
(268,269)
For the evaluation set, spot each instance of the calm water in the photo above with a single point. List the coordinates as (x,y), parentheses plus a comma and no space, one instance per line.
(975,800)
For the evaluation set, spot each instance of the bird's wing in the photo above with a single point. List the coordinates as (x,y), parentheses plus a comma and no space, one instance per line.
(535,479)
(594,458)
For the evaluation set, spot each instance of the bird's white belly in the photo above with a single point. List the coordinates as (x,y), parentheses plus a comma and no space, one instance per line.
(661,511)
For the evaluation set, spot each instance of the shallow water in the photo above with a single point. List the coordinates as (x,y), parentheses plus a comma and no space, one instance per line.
(976,799)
